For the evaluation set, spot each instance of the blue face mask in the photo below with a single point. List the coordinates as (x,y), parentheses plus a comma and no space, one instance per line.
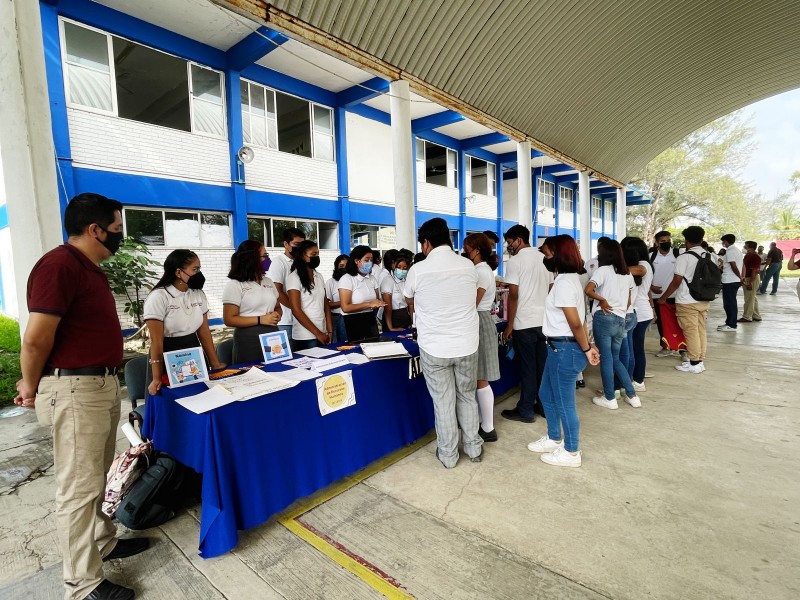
(400,274)
(365,268)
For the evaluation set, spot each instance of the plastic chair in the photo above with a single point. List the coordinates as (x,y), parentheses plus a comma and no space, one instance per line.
(136,371)
(225,352)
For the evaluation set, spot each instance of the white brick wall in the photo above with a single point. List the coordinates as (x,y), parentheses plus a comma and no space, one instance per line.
(437,198)
(479,205)
(286,173)
(105,142)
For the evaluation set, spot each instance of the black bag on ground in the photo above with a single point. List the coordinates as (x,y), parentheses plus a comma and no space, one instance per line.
(163,488)
(706,282)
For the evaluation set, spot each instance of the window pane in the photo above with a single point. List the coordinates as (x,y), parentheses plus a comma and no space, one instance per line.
(278,227)
(366,235)
(145,226)
(244,88)
(259,125)
(215,231)
(183,230)
(257,99)
(452,168)
(435,164)
(323,146)
(86,47)
(89,88)
(478,176)
(328,236)
(272,133)
(310,229)
(246,128)
(294,126)
(255,230)
(209,117)
(322,120)
(152,87)
(270,101)
(206,84)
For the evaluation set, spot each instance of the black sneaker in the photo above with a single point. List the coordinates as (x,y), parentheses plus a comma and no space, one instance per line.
(128,547)
(538,409)
(488,436)
(580,384)
(513,415)
(110,591)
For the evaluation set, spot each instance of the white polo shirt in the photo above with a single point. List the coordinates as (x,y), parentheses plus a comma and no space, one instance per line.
(732,255)
(616,289)
(332,293)
(278,272)
(363,289)
(663,271)
(391,285)
(644,312)
(486,282)
(253,299)
(312,303)
(181,312)
(685,266)
(443,287)
(566,291)
(527,271)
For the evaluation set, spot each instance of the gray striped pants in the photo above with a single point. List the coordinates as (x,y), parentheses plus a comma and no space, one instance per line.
(451,383)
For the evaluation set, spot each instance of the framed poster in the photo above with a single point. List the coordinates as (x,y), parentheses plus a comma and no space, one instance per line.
(275,346)
(185,366)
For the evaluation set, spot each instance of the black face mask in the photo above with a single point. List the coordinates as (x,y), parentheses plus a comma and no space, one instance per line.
(550,263)
(196,281)
(113,240)
(337,274)
(665,246)
(314,262)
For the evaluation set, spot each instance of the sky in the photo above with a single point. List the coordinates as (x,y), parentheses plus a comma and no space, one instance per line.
(776,122)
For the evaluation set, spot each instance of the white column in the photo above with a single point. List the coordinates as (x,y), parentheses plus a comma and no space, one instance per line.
(584,215)
(26,142)
(621,213)
(524,188)
(403,167)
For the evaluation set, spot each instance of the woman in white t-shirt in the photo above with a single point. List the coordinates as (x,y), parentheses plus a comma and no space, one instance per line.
(611,287)
(332,294)
(176,314)
(395,313)
(250,301)
(568,353)
(358,294)
(312,324)
(478,249)
(635,251)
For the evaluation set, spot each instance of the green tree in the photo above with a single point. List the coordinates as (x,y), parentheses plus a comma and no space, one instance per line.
(786,225)
(697,180)
(130,275)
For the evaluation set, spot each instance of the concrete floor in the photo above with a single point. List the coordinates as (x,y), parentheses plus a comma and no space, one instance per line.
(693,496)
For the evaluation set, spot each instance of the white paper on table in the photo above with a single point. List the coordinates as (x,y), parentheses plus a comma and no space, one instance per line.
(317,352)
(299,374)
(384,350)
(206,401)
(304,362)
(326,364)
(251,384)
(355,358)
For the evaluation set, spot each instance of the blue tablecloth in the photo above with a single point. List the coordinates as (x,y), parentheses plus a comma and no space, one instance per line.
(258,456)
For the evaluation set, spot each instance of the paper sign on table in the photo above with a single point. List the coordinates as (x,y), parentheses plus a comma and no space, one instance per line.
(275,346)
(326,364)
(303,362)
(299,374)
(253,383)
(185,366)
(354,358)
(335,392)
(317,352)
(206,401)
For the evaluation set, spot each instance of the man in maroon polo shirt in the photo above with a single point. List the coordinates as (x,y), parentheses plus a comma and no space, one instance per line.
(71,349)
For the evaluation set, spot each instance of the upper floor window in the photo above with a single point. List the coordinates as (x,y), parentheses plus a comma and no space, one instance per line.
(597,208)
(547,194)
(609,210)
(178,229)
(436,164)
(115,76)
(480,176)
(269,231)
(283,122)
(566,198)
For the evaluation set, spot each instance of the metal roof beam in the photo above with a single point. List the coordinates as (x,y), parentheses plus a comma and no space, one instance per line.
(254,47)
(483,140)
(362,92)
(440,119)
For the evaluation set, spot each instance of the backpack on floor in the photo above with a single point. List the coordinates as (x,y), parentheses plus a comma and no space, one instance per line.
(158,493)
(706,282)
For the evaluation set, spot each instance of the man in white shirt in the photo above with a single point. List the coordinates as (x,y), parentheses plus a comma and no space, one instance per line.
(528,281)
(692,314)
(662,258)
(732,266)
(279,270)
(594,262)
(441,292)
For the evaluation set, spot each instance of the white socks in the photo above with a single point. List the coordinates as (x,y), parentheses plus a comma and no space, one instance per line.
(486,405)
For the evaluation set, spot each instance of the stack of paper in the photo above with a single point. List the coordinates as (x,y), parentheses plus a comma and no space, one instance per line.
(380,350)
(253,383)
(317,352)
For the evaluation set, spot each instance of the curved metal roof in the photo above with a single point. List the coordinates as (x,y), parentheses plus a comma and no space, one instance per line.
(608,84)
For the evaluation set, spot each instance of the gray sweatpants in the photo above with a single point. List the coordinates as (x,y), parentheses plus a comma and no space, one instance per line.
(451,383)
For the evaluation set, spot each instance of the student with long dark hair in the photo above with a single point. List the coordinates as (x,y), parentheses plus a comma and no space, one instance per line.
(635,251)
(176,314)
(305,288)
(358,290)
(395,314)
(332,294)
(250,301)
(568,353)
(610,287)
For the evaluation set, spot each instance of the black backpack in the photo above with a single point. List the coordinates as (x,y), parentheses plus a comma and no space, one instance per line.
(706,282)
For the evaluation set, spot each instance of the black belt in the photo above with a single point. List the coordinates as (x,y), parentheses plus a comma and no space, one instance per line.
(561,339)
(85,371)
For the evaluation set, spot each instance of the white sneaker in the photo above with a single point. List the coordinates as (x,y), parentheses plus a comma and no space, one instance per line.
(634,402)
(726,329)
(561,458)
(648,375)
(639,387)
(545,444)
(601,401)
(617,393)
(702,366)
(664,352)
(688,367)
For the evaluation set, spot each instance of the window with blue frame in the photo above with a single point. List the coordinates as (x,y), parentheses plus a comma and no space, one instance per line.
(610,210)
(436,164)
(112,75)
(178,229)
(566,198)
(269,231)
(480,176)
(597,208)
(272,119)
(547,194)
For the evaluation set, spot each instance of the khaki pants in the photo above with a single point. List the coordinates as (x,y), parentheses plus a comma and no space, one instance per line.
(751,300)
(83,414)
(692,319)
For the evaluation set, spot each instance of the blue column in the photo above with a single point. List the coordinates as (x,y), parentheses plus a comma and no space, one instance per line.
(462,197)
(233,95)
(342,182)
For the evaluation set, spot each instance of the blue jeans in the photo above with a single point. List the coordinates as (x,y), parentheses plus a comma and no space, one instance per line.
(304,344)
(639,355)
(729,291)
(530,351)
(626,350)
(771,273)
(609,331)
(564,361)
